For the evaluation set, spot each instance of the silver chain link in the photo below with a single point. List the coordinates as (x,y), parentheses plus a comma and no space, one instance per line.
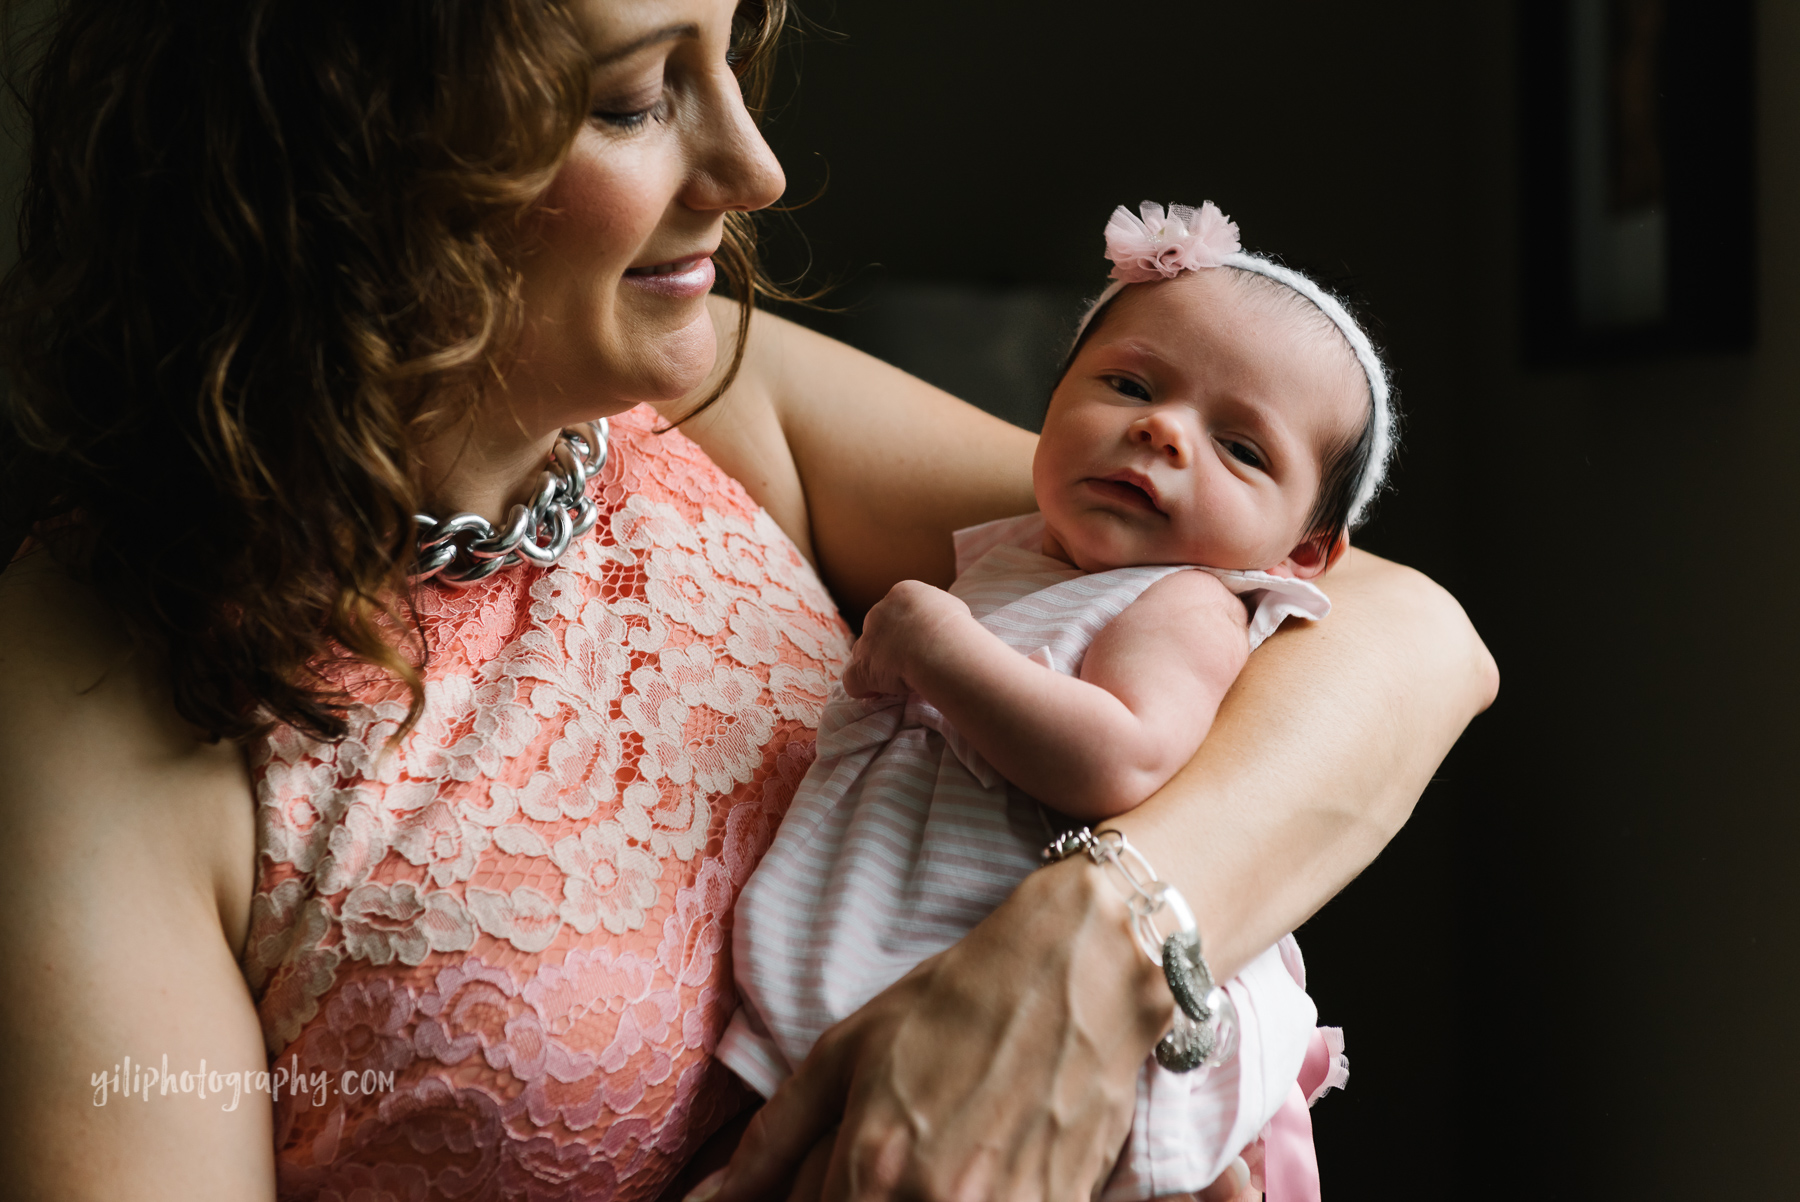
(1206,1027)
(465,548)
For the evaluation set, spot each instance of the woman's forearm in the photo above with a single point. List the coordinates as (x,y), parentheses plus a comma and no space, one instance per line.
(1317,757)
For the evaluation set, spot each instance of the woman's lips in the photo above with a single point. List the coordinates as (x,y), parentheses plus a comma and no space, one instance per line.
(683,278)
(1126,490)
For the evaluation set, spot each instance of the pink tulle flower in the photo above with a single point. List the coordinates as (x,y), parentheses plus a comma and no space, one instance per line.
(1162,246)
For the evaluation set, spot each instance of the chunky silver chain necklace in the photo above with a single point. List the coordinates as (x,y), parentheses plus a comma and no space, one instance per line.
(463,549)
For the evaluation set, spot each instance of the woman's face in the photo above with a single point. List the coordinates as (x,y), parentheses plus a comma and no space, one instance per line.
(616,281)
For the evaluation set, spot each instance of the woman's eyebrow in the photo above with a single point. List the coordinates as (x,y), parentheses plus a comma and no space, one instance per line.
(669,34)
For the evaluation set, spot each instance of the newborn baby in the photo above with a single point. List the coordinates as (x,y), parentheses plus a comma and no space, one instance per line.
(1220,425)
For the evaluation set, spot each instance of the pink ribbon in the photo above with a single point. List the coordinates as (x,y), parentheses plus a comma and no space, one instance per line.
(1290,1168)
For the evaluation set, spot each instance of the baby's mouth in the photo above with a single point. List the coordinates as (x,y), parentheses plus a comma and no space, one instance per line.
(1126,487)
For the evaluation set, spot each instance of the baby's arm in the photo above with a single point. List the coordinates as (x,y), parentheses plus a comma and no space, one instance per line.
(1092,747)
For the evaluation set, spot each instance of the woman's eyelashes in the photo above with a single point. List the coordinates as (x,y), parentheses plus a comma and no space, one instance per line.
(633,101)
(629,116)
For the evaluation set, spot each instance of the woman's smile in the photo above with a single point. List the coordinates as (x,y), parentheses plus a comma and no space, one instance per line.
(683,279)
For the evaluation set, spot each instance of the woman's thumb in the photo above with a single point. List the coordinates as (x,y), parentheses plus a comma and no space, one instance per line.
(803,1110)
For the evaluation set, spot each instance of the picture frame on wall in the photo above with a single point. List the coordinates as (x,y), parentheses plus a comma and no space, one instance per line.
(1637,141)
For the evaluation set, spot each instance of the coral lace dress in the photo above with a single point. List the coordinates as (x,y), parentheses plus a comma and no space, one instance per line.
(499,953)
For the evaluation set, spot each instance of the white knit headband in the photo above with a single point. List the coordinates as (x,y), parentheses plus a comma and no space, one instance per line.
(1161,246)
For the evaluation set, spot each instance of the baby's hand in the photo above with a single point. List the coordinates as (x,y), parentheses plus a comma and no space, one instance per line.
(904,625)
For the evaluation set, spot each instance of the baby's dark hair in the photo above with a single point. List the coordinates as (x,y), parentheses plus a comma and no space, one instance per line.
(1342,468)
(1352,468)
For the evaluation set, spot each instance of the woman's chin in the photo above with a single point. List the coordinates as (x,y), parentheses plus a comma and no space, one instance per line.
(692,357)
(676,363)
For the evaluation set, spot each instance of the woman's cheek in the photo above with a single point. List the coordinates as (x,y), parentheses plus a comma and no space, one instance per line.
(595,211)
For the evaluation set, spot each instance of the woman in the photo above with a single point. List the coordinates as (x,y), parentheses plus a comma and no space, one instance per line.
(292,273)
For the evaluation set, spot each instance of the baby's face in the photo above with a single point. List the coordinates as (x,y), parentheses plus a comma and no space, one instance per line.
(1191,428)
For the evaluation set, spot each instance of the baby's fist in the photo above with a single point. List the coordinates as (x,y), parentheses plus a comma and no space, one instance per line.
(897,633)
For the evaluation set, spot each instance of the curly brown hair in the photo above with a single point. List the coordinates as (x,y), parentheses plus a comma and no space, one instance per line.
(264,246)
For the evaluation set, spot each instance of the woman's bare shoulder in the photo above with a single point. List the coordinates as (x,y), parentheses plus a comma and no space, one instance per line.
(69,674)
(88,731)
(59,637)
(130,859)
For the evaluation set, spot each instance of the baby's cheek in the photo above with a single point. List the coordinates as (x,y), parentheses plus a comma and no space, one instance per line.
(1235,533)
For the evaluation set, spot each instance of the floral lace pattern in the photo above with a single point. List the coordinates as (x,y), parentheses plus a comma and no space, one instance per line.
(523,910)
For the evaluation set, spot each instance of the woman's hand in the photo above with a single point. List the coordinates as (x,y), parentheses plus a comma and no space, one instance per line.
(1233,1184)
(1003,1068)
(907,622)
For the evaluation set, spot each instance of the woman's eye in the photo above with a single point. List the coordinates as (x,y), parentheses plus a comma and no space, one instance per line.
(1244,454)
(625,120)
(628,119)
(1128,387)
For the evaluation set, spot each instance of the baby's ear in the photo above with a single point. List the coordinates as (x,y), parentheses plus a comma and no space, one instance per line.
(1314,556)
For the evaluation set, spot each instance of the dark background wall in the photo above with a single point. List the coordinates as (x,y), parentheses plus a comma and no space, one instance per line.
(1570,976)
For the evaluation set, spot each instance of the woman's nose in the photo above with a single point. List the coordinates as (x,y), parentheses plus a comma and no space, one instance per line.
(1164,433)
(734,167)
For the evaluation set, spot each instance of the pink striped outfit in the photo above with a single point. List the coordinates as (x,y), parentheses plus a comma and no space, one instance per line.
(902,837)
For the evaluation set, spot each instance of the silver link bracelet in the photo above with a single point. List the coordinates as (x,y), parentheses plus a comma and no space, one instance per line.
(1206,1023)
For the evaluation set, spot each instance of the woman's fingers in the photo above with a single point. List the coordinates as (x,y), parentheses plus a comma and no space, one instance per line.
(790,1126)
(860,1169)
(1233,1185)
(708,1189)
(809,1185)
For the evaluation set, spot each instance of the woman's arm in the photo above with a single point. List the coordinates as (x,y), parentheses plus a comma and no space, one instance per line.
(130,850)
(1007,1063)
(1317,756)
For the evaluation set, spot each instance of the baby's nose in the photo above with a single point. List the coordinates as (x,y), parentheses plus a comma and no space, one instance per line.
(1163,434)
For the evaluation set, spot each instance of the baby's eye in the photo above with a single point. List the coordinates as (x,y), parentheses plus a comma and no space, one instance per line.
(1126,386)
(1243,454)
